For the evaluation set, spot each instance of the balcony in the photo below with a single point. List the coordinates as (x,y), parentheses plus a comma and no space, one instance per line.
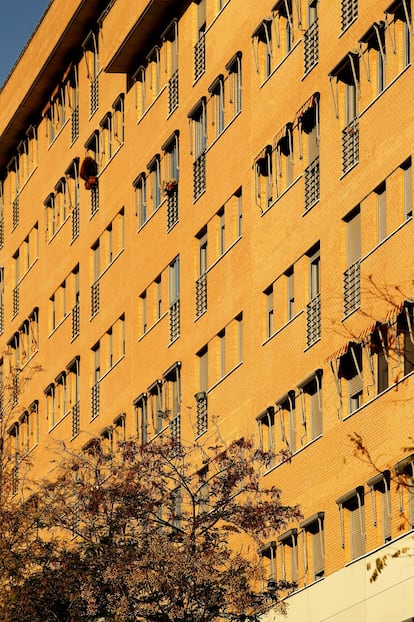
(352,288)
(313,321)
(172,208)
(199,58)
(94,93)
(15,215)
(312,185)
(350,145)
(75,123)
(95,400)
(94,199)
(16,300)
(173,92)
(75,320)
(311,47)
(95,298)
(75,223)
(75,419)
(201,416)
(174,321)
(199,176)
(201,295)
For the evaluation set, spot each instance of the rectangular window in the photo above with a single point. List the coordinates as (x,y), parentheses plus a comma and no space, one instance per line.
(72,190)
(172,390)
(379,487)
(141,417)
(352,282)
(200,46)
(381,211)
(154,73)
(313,308)
(155,406)
(269,311)
(314,546)
(290,292)
(139,79)
(174,298)
(263,49)
(289,557)
(263,168)
(268,565)
(154,179)
(234,69)
(170,45)
(216,90)
(140,188)
(105,140)
(310,394)
(352,522)
(283,19)
(407,189)
(267,432)
(287,415)
(198,120)
(346,77)
(284,159)
(90,47)
(201,395)
(404,470)
(373,55)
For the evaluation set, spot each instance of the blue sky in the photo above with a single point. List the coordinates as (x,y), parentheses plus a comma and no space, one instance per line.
(18,20)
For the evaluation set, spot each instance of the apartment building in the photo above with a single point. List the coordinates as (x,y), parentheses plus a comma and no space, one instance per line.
(206,224)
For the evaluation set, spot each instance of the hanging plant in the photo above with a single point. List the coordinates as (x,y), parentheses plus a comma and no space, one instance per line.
(169,186)
(89,172)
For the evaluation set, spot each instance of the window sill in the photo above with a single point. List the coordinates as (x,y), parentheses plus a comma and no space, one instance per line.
(59,324)
(108,371)
(105,166)
(266,80)
(152,104)
(293,183)
(151,216)
(27,272)
(390,235)
(379,548)
(384,90)
(52,237)
(232,120)
(152,326)
(52,142)
(347,27)
(295,453)
(226,375)
(282,328)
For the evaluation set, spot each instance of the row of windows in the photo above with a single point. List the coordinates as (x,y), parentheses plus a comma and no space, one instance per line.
(298,555)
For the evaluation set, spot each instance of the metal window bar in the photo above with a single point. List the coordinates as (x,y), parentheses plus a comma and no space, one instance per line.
(311,46)
(352,288)
(75,419)
(349,12)
(94,199)
(201,294)
(172,209)
(15,389)
(174,321)
(16,300)
(95,296)
(95,400)
(15,216)
(94,102)
(173,92)
(201,416)
(75,223)
(350,145)
(199,176)
(75,320)
(175,429)
(75,123)
(199,57)
(312,184)
(313,320)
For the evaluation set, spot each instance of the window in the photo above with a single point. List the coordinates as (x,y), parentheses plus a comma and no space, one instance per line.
(140,188)
(287,414)
(200,46)
(407,189)
(264,178)
(204,491)
(92,151)
(352,284)
(381,211)
(234,68)
(346,74)
(201,282)
(29,428)
(118,121)
(201,395)
(351,370)
(170,44)
(72,190)
(289,557)
(55,112)
(284,158)
(171,174)
(352,522)
(404,470)
(349,12)
(399,25)
(50,404)
(216,90)
(90,47)
(153,72)
(155,406)
(373,56)
(144,324)
(268,564)
(310,394)
(73,392)
(283,18)
(106,140)
(154,179)
(269,311)
(311,38)
(313,308)
(139,79)
(379,350)
(119,430)
(174,298)
(379,487)
(262,49)
(314,546)
(141,417)
(73,97)
(290,292)
(308,126)
(267,429)
(198,122)
(172,390)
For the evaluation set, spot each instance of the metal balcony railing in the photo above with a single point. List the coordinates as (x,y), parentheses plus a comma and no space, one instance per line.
(15,215)
(352,288)
(75,320)
(94,103)
(349,12)
(311,47)
(1,231)
(94,199)
(175,429)
(313,320)
(199,176)
(95,298)
(16,300)
(173,92)
(75,123)
(95,400)
(312,184)
(201,416)
(350,145)
(174,321)
(75,419)
(201,294)
(75,223)
(199,57)
(172,208)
